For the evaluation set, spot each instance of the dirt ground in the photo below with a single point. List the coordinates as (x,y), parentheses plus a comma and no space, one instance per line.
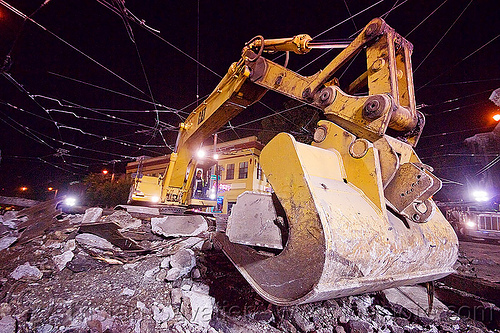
(482,258)
(112,290)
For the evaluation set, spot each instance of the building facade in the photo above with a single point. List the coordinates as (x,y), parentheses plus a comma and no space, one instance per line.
(236,170)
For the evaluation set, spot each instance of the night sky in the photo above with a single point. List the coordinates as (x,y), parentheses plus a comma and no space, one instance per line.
(90,90)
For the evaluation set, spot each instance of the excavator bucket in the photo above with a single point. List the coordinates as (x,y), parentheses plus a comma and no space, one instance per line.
(342,236)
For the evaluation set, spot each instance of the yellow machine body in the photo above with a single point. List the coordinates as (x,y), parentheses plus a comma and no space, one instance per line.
(354,209)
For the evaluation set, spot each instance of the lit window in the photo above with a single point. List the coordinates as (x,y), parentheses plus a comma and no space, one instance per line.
(243,171)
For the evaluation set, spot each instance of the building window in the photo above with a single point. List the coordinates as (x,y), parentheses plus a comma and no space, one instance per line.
(259,171)
(220,169)
(230,171)
(243,171)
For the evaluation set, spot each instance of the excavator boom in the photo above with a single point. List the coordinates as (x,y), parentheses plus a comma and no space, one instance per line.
(353,211)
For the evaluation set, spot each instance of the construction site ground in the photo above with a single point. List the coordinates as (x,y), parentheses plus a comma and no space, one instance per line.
(70,276)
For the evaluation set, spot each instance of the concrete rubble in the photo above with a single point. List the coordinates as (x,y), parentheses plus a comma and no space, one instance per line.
(92,215)
(26,272)
(69,280)
(177,226)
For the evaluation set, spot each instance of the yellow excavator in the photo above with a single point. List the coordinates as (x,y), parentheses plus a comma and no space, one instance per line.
(350,213)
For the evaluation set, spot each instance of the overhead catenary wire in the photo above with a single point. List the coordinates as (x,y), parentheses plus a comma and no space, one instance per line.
(452,100)
(459,62)
(36,135)
(157,34)
(392,8)
(444,35)
(455,132)
(425,19)
(234,127)
(21,88)
(27,131)
(19,13)
(465,82)
(350,14)
(118,93)
(196,60)
(453,109)
(488,166)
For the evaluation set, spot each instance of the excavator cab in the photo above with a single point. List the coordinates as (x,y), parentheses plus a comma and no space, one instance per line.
(203,187)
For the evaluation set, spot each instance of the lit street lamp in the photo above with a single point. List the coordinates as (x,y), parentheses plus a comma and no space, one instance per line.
(51,189)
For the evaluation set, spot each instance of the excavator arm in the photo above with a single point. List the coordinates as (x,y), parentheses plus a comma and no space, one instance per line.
(350,213)
(389,103)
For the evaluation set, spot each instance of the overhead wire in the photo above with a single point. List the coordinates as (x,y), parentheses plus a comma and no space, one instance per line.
(384,16)
(465,82)
(27,131)
(19,13)
(31,131)
(425,19)
(452,100)
(453,109)
(117,92)
(9,77)
(454,132)
(488,166)
(350,14)
(444,35)
(31,96)
(462,60)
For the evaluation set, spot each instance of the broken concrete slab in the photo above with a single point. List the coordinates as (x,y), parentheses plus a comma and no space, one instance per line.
(124,220)
(38,219)
(93,241)
(26,272)
(162,313)
(184,260)
(141,210)
(176,296)
(7,241)
(110,231)
(173,274)
(16,201)
(83,263)
(9,215)
(178,226)
(165,263)
(92,215)
(8,325)
(253,221)
(149,274)
(414,299)
(9,220)
(197,307)
(62,259)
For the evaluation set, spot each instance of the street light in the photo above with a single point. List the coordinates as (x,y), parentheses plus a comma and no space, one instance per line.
(480,195)
(50,189)
(201,153)
(496,117)
(105,172)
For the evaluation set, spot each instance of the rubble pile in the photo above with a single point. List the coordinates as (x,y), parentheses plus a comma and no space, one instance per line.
(125,272)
